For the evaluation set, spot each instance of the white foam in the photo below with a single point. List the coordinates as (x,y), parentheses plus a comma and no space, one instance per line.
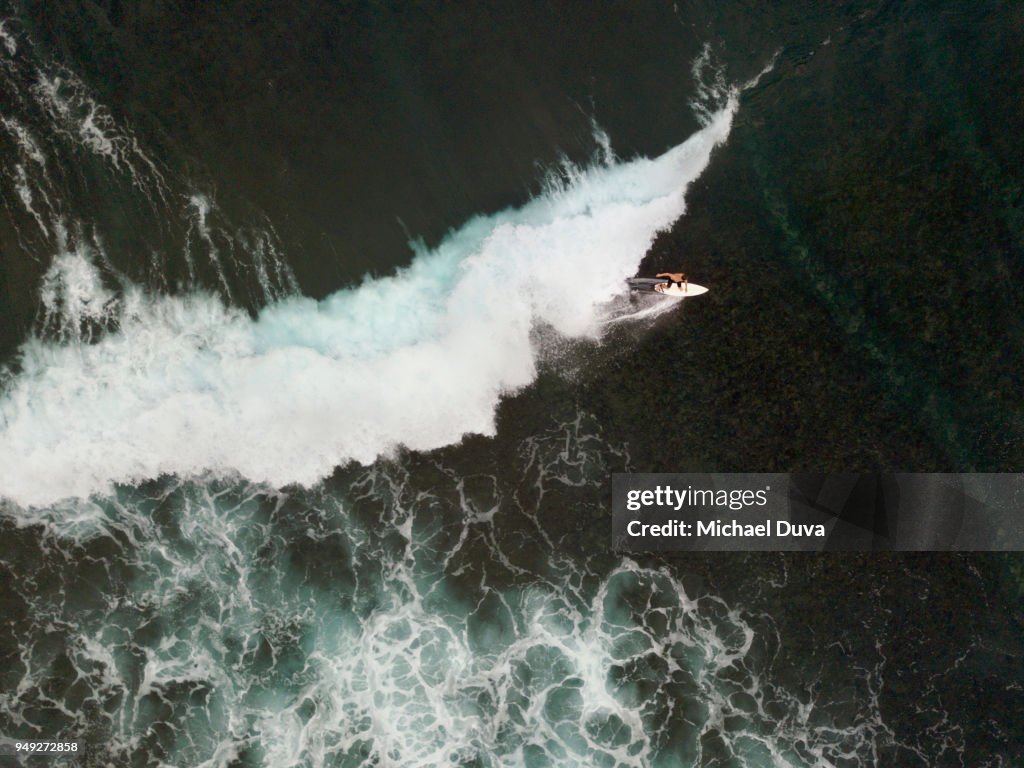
(77,116)
(26,143)
(7,39)
(75,300)
(189,386)
(199,208)
(425,642)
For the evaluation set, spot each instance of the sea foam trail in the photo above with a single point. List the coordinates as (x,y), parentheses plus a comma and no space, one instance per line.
(189,386)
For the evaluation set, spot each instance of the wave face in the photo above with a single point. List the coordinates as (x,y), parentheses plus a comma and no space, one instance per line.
(187,385)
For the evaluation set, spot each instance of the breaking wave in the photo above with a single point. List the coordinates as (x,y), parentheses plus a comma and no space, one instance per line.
(190,386)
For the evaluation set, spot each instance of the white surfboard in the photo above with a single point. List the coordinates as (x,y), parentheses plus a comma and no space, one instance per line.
(684,291)
(658,285)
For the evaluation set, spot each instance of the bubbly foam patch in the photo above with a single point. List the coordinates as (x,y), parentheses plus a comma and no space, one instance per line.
(190,386)
(398,620)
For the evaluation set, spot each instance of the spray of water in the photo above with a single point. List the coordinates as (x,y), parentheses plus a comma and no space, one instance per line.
(190,386)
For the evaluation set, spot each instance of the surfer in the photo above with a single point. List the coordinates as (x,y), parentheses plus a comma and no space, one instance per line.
(665,284)
(674,278)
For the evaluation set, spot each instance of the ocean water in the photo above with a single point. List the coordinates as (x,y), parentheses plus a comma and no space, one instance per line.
(318,361)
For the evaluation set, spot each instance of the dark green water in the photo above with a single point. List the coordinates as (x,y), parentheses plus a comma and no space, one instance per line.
(860,226)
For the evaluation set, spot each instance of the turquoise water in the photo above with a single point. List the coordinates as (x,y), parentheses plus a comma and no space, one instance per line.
(396,618)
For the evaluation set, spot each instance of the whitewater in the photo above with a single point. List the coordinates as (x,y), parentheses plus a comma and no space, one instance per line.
(190,386)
